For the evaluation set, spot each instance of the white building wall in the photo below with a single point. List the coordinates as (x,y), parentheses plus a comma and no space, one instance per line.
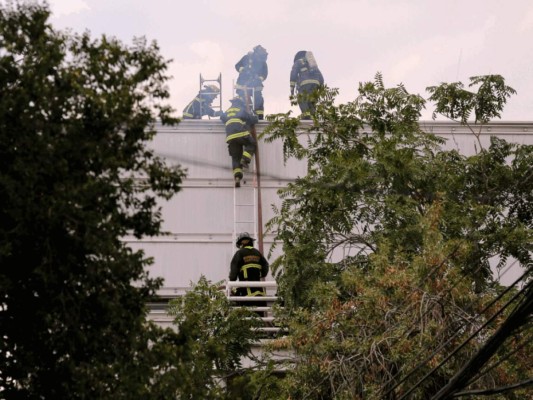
(200,218)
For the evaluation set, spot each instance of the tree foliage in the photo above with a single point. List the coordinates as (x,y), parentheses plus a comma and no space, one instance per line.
(215,337)
(387,244)
(76,176)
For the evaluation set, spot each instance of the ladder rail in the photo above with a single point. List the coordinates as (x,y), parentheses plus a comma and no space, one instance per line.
(219,81)
(244,198)
(256,187)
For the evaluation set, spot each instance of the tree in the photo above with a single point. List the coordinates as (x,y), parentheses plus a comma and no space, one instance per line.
(216,336)
(76,176)
(387,243)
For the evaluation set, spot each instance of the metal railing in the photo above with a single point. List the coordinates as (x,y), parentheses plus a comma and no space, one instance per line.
(158,309)
(271,297)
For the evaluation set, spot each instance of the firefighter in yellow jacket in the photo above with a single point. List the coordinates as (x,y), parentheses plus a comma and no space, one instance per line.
(305,79)
(253,71)
(248,264)
(201,104)
(241,144)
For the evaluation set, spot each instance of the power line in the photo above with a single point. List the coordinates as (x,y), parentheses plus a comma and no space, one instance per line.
(457,333)
(488,392)
(195,162)
(518,317)
(504,358)
(458,348)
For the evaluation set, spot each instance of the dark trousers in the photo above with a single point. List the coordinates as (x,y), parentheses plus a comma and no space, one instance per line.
(236,148)
(259,101)
(307,105)
(244,292)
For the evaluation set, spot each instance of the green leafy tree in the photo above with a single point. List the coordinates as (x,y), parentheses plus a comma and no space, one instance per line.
(387,243)
(215,337)
(76,176)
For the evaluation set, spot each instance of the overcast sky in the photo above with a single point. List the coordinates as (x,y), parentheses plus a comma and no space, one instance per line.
(416,42)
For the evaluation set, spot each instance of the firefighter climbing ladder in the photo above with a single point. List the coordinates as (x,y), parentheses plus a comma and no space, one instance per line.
(247,217)
(247,212)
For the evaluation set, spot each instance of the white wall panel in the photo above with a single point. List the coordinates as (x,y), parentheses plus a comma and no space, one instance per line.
(200,218)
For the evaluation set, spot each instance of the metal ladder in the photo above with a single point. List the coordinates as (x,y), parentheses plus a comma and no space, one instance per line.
(245,213)
(245,205)
(219,81)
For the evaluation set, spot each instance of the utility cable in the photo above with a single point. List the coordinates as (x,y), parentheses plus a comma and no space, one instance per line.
(488,392)
(457,332)
(465,342)
(518,317)
(504,358)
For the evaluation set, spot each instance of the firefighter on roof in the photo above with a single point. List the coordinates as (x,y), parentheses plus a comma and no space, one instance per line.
(253,70)
(201,105)
(305,79)
(241,144)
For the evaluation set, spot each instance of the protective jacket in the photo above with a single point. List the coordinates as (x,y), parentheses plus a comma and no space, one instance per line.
(238,121)
(303,75)
(198,108)
(248,264)
(252,71)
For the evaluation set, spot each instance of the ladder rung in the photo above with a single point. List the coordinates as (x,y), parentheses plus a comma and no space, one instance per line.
(269,329)
(239,299)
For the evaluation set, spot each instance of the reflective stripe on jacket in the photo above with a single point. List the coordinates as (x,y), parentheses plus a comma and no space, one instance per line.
(248,264)
(238,122)
(301,75)
(197,108)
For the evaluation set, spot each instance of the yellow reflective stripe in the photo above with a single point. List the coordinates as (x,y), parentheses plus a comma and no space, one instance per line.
(187,115)
(234,120)
(244,87)
(260,292)
(237,170)
(303,69)
(237,135)
(244,268)
(307,81)
(259,112)
(246,154)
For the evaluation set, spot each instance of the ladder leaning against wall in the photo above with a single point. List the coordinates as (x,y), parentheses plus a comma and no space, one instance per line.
(247,217)
(247,212)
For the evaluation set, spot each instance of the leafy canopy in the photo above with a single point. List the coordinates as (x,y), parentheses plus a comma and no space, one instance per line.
(215,337)
(387,243)
(76,176)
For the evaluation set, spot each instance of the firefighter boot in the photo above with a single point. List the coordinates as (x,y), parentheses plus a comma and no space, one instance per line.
(237,181)
(245,163)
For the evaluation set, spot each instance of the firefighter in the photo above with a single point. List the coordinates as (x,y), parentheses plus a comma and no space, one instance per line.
(305,79)
(253,70)
(241,144)
(201,105)
(248,264)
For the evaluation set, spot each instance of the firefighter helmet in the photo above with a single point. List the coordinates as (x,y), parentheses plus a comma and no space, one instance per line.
(260,53)
(237,99)
(299,55)
(211,89)
(260,50)
(242,236)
